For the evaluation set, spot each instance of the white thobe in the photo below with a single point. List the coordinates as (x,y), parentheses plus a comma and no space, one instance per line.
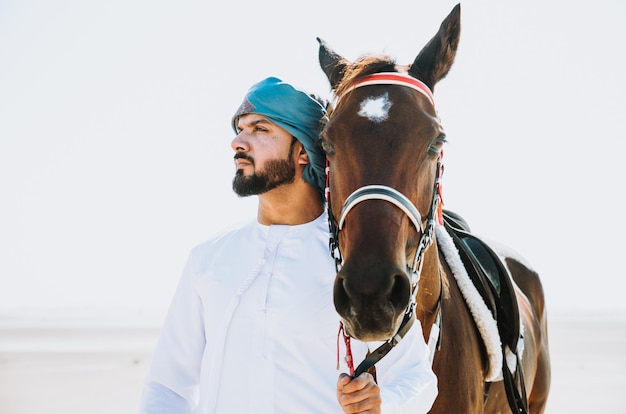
(252,329)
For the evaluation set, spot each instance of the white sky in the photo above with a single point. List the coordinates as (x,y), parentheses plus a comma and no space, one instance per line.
(115,151)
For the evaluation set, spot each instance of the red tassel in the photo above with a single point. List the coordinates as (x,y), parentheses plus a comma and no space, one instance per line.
(346,338)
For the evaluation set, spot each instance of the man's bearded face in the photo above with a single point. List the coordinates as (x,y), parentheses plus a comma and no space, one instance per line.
(275,173)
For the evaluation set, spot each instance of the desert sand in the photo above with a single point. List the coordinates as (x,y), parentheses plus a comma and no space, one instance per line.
(49,366)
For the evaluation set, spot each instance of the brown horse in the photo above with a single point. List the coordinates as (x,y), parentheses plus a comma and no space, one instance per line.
(383,140)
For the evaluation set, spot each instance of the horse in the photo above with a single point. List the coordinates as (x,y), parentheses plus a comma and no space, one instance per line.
(384,140)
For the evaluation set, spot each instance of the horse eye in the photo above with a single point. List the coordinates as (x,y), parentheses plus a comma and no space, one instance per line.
(437,144)
(326,146)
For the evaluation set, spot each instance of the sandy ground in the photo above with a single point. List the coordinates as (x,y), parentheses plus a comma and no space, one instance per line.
(71,368)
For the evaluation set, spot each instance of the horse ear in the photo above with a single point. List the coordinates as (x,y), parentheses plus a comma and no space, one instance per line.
(434,61)
(332,64)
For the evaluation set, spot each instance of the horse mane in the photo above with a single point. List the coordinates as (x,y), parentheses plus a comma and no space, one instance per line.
(366,65)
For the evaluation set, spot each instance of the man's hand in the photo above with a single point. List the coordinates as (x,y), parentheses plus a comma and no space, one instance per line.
(358,395)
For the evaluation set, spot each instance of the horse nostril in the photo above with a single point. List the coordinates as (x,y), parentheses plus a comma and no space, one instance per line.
(341,298)
(400,292)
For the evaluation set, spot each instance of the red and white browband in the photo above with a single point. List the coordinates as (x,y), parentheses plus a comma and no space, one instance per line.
(393,78)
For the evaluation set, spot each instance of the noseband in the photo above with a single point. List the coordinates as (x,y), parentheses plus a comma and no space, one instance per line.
(381,192)
(395,197)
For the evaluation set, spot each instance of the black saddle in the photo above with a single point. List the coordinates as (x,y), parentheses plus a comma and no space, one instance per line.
(493,281)
(489,275)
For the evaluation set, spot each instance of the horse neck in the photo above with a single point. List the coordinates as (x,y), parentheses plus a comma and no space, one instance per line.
(429,290)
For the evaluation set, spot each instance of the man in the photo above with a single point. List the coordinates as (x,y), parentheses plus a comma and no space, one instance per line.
(252,327)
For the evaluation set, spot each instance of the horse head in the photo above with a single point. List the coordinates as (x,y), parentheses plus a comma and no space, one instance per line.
(383,140)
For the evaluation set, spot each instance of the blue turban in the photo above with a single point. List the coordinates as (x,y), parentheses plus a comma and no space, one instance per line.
(296,112)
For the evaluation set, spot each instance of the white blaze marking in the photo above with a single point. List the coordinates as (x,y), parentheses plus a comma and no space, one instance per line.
(376,109)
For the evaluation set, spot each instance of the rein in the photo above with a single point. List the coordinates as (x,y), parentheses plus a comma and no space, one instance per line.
(393,196)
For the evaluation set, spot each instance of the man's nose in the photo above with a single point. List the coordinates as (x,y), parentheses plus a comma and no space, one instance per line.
(239,143)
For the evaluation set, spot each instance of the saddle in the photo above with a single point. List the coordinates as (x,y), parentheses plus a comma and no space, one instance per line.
(493,282)
(489,275)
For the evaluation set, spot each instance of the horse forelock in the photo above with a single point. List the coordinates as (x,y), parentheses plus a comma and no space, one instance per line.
(366,65)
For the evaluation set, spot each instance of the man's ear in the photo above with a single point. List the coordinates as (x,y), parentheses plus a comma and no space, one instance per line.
(303,157)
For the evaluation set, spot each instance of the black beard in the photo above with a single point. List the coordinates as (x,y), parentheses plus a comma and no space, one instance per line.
(276,173)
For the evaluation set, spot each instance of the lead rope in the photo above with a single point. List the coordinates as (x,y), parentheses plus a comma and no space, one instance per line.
(373,357)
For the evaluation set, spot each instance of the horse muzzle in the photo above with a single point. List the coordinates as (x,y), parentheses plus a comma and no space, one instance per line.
(371,302)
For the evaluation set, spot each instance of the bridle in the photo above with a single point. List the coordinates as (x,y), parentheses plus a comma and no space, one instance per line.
(395,197)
